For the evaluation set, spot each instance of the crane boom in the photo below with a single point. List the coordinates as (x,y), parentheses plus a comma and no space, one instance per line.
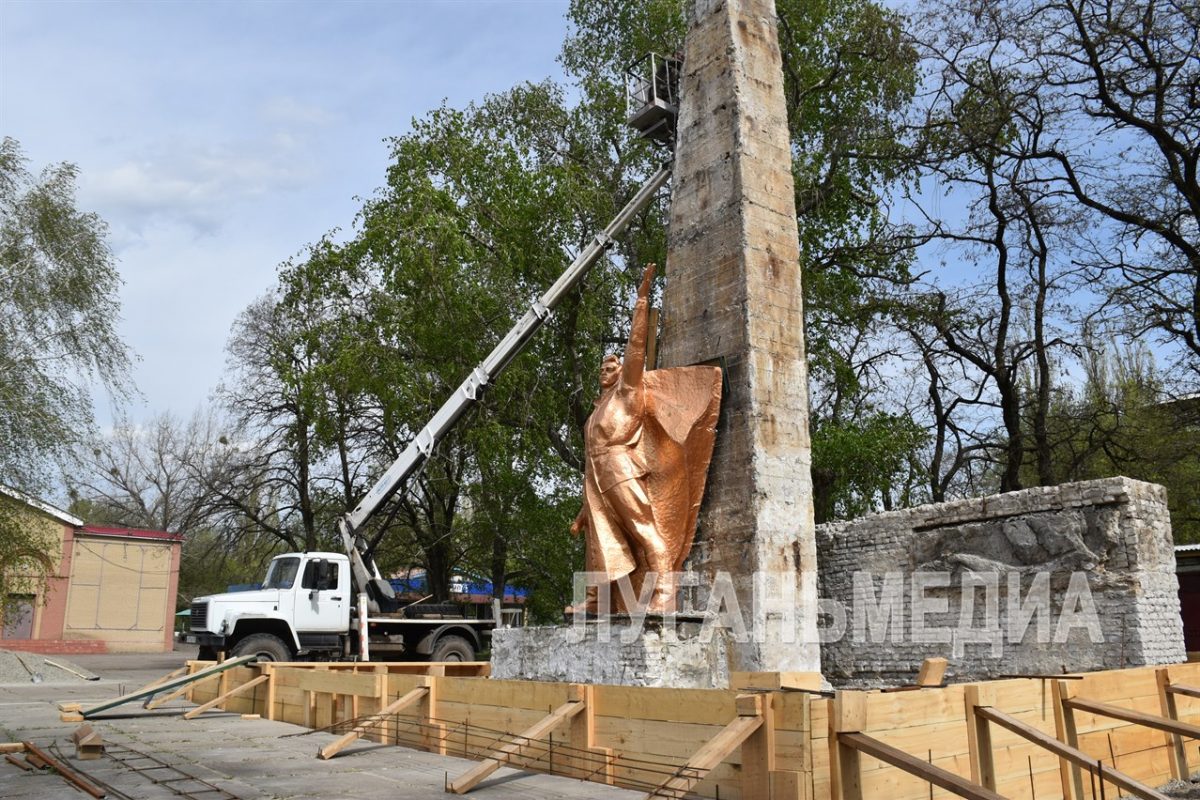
(470,391)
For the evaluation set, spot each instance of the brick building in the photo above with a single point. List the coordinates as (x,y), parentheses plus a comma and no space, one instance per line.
(107,589)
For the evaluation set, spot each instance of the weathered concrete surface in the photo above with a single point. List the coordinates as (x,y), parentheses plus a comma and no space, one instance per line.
(733,298)
(615,651)
(1105,542)
(245,757)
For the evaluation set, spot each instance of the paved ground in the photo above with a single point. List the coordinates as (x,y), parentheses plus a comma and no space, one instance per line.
(247,759)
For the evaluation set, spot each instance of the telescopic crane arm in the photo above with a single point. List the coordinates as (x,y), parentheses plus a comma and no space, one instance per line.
(366,573)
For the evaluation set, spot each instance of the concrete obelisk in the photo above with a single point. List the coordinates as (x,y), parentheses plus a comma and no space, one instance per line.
(732,297)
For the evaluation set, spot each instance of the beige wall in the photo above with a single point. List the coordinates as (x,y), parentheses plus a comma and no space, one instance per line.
(121,591)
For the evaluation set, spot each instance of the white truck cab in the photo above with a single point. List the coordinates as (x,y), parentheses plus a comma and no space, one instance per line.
(303,605)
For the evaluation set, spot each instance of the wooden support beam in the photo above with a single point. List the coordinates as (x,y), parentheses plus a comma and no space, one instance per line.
(586,760)
(433,732)
(1186,691)
(413,697)
(1064,729)
(1136,717)
(160,681)
(939,777)
(250,684)
(1166,704)
(155,702)
(847,714)
(714,751)
(471,778)
(174,683)
(979,736)
(758,751)
(1068,753)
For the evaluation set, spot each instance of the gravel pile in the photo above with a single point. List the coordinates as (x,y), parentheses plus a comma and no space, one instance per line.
(31,668)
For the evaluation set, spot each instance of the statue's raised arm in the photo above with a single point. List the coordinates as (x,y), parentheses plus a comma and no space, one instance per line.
(634,364)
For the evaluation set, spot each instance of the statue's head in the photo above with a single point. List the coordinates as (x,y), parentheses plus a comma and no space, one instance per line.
(610,371)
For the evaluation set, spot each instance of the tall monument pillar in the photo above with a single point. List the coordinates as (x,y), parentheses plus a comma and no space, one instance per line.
(732,297)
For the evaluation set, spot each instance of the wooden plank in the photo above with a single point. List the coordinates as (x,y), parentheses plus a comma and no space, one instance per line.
(1186,691)
(703,706)
(155,702)
(198,710)
(933,670)
(169,676)
(758,750)
(716,750)
(332,749)
(1065,730)
(1069,753)
(471,778)
(979,739)
(174,683)
(775,680)
(339,683)
(914,766)
(1136,717)
(847,713)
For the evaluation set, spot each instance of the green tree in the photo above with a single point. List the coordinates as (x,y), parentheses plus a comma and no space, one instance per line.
(1121,421)
(58,328)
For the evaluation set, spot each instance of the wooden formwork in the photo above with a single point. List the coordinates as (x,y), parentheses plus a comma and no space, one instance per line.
(646,738)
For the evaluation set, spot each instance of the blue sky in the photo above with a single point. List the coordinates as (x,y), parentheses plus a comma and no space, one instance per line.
(218,138)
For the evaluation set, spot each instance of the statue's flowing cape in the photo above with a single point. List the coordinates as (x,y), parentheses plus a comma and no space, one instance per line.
(676,445)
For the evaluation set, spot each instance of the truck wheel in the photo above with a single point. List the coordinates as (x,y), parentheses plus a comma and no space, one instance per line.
(264,646)
(452,648)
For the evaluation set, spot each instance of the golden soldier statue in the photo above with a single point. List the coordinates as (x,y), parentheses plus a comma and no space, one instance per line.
(648,444)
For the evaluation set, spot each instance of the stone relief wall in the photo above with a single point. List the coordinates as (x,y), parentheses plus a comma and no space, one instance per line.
(1066,578)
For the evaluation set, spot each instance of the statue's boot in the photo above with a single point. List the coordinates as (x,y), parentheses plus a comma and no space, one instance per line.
(589,607)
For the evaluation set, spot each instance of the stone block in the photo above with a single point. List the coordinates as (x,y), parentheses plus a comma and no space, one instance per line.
(657,651)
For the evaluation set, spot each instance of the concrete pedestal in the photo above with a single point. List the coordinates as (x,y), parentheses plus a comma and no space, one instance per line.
(656,651)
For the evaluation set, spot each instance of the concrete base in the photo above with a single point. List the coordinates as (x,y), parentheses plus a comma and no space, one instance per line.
(657,651)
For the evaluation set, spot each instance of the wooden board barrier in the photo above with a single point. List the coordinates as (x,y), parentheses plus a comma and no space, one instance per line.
(639,737)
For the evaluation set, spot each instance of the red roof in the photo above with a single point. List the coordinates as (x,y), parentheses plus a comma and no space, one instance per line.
(131,533)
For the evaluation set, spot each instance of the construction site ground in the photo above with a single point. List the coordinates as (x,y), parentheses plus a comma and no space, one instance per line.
(238,758)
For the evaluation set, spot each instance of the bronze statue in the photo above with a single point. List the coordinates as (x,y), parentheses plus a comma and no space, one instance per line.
(648,444)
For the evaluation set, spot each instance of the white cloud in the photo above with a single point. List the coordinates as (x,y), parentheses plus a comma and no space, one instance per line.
(198,187)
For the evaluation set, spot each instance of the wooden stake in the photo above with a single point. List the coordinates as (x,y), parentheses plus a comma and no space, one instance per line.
(758,751)
(1064,729)
(979,737)
(471,778)
(847,714)
(250,684)
(716,750)
(333,748)
(1166,703)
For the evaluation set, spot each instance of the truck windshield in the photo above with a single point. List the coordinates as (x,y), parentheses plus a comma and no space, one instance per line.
(282,573)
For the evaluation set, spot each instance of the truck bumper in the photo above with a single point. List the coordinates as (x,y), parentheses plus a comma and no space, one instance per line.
(214,640)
